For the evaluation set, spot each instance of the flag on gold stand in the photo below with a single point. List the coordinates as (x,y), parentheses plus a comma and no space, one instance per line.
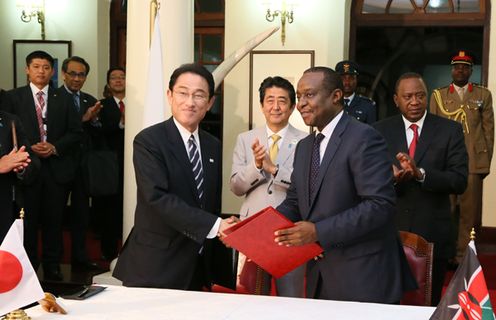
(466,297)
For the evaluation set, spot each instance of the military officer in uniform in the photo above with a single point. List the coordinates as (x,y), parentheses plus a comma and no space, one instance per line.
(357,106)
(472,106)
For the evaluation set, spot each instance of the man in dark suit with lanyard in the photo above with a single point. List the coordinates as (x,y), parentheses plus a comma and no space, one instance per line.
(179,175)
(361,108)
(342,196)
(74,71)
(54,130)
(430,163)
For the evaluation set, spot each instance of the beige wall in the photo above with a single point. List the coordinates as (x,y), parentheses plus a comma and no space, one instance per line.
(85,23)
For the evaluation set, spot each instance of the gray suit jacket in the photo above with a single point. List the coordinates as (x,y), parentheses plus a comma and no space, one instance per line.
(260,188)
(353,212)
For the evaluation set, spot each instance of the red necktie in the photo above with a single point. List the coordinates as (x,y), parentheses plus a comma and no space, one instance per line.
(413,144)
(121,106)
(39,114)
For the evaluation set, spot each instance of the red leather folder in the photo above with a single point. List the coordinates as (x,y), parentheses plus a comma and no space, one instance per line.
(254,237)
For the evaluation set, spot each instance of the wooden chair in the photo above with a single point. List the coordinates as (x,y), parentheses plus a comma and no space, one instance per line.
(419,254)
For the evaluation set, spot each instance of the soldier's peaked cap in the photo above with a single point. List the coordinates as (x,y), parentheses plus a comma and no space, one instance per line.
(462,57)
(346,67)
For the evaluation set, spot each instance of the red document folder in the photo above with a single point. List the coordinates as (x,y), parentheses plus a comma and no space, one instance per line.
(254,237)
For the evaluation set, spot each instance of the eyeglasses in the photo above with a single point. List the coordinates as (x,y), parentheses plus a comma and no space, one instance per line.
(74,75)
(118,78)
(198,97)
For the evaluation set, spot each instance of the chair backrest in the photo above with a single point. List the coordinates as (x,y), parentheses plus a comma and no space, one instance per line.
(419,254)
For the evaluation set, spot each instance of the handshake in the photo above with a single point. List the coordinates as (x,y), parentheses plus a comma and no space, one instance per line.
(226,224)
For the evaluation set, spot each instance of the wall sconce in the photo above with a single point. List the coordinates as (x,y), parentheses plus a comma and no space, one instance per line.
(33,9)
(285,16)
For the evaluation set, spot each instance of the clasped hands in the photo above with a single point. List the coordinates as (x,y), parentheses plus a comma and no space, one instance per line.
(408,168)
(262,159)
(43,149)
(15,160)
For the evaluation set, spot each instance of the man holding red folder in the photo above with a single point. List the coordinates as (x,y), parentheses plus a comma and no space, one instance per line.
(342,197)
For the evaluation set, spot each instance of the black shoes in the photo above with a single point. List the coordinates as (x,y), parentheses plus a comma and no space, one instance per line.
(52,273)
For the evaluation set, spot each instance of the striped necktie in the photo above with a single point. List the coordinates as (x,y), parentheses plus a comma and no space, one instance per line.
(315,163)
(75,96)
(194,158)
(40,105)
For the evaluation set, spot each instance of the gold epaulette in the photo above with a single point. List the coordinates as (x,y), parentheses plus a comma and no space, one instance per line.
(457,115)
(479,85)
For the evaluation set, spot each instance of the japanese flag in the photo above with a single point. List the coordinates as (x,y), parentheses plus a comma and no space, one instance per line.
(19,285)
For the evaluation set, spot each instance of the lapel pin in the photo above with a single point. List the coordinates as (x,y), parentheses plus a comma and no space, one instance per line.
(211,160)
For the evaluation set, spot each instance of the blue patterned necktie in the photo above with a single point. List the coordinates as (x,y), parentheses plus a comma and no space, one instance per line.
(315,163)
(76,101)
(194,158)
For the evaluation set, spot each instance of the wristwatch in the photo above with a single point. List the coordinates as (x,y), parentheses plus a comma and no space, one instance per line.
(422,175)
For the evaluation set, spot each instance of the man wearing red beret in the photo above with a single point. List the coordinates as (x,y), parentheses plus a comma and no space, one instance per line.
(472,106)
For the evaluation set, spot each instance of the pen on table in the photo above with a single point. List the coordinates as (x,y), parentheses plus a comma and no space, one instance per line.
(85,291)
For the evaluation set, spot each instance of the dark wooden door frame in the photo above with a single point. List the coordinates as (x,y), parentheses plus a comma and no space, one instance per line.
(481,19)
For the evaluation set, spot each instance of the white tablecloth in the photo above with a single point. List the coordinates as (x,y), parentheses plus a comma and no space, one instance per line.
(136,303)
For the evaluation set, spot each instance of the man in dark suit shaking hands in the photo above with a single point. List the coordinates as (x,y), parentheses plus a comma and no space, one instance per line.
(430,163)
(178,174)
(342,196)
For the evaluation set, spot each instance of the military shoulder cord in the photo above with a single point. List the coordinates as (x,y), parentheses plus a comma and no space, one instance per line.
(457,115)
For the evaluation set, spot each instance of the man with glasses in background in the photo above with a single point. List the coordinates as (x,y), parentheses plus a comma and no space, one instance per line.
(74,71)
(112,120)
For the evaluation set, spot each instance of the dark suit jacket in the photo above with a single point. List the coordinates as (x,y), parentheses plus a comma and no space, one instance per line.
(111,136)
(353,212)
(424,208)
(63,128)
(363,109)
(170,224)
(9,180)
(85,101)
